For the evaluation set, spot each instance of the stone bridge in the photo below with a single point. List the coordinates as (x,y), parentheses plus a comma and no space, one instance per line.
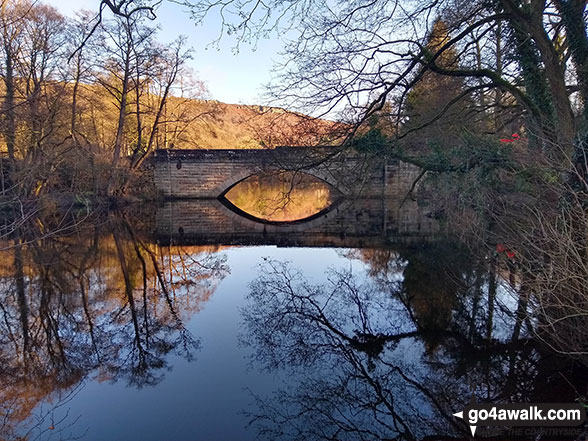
(374,208)
(194,174)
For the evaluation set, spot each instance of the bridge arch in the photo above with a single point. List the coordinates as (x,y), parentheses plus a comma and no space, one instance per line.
(240,176)
(210,173)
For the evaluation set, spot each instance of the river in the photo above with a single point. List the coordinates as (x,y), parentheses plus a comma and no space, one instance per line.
(184,321)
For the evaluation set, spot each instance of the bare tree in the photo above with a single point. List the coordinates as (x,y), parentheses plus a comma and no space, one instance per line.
(39,68)
(353,57)
(32,37)
(81,67)
(12,21)
(125,44)
(168,64)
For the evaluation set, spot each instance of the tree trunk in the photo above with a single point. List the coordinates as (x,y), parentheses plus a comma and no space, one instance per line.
(556,80)
(74,99)
(572,14)
(121,125)
(9,111)
(528,25)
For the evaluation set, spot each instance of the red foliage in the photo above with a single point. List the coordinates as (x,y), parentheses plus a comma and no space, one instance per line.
(500,248)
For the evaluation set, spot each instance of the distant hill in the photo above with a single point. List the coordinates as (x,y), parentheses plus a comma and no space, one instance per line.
(215,125)
(190,123)
(187,123)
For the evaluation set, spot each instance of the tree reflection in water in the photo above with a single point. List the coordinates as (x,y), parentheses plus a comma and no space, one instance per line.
(97,303)
(393,353)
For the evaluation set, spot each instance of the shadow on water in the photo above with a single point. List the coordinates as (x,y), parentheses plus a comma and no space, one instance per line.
(387,345)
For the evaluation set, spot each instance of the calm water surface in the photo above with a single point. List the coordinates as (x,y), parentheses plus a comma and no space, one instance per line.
(164,329)
(204,398)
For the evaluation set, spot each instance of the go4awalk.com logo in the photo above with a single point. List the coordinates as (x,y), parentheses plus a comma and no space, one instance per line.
(522,414)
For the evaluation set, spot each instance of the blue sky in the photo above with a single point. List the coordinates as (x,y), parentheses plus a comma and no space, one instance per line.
(229,77)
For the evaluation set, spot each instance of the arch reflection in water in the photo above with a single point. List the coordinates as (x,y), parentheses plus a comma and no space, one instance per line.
(281,196)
